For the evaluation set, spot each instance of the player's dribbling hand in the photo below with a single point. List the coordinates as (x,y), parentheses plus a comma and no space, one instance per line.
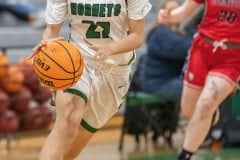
(41,44)
(103,51)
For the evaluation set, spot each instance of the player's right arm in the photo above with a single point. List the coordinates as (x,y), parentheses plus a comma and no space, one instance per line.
(180,13)
(52,31)
(56,13)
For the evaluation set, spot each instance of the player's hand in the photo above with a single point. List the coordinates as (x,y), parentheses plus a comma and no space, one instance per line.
(103,51)
(41,44)
(164,16)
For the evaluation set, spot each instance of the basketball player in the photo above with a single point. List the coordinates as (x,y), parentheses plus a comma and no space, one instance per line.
(214,65)
(106,32)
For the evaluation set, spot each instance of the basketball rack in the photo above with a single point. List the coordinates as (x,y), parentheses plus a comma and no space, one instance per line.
(19,38)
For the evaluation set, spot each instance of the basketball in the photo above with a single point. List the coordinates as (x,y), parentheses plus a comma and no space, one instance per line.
(9,122)
(30,79)
(58,65)
(20,101)
(4,65)
(4,101)
(13,82)
(42,95)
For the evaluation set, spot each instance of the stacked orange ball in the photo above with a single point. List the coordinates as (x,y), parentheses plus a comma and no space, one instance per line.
(22,99)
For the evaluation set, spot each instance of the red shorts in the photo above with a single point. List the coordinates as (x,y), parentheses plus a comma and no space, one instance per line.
(203,62)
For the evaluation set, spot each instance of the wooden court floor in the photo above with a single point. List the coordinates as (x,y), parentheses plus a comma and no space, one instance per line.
(104,146)
(227,154)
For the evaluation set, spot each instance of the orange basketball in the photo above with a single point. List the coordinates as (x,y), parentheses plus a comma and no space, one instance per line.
(4,65)
(13,82)
(58,65)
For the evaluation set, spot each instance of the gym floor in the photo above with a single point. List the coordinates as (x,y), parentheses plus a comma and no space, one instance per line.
(102,148)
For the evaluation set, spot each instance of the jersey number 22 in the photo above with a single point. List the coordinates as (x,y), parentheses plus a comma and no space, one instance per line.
(97,29)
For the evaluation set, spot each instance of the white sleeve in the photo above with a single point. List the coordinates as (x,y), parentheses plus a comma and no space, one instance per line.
(138,9)
(56,11)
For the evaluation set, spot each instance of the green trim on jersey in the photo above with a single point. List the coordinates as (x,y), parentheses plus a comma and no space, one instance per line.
(78,93)
(133,58)
(86,126)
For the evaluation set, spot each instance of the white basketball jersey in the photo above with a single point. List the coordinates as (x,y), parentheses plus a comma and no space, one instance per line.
(100,21)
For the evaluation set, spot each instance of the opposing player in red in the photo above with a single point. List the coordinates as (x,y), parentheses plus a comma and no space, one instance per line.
(214,65)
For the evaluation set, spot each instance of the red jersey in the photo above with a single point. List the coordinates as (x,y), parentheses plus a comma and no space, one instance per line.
(221,19)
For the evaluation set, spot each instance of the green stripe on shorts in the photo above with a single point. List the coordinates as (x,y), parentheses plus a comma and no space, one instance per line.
(77,92)
(88,127)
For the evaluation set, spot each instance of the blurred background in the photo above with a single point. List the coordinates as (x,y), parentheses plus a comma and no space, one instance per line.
(148,126)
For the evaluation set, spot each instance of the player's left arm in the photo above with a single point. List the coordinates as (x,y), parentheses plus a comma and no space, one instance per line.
(137,10)
(133,40)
